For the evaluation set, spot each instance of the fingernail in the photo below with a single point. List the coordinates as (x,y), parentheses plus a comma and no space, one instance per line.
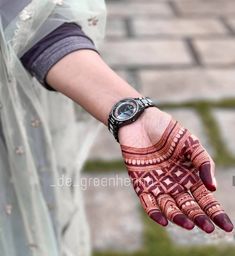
(159,218)
(204,223)
(223,221)
(183,221)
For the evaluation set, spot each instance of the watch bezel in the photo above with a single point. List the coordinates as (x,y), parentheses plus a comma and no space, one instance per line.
(119,104)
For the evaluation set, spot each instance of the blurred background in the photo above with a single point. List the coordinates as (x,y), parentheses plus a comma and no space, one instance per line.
(182,54)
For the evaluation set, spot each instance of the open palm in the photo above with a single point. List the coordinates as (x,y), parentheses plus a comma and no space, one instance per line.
(174,179)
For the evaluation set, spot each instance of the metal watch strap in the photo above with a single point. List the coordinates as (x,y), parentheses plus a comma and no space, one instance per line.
(145,102)
(114,125)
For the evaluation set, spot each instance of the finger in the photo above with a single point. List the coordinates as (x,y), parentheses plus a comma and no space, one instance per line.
(202,161)
(172,212)
(206,173)
(190,208)
(147,200)
(150,206)
(211,206)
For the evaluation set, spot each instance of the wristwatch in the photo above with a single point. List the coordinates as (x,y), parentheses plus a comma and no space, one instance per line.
(127,111)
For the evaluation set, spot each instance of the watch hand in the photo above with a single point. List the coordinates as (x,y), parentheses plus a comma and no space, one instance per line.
(127,109)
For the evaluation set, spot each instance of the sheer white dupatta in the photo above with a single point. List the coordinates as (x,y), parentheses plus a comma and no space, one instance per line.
(41,139)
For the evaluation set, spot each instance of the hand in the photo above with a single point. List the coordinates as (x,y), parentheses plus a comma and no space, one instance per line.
(171,172)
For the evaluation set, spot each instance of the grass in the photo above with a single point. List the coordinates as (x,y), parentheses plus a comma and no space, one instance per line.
(100,165)
(157,243)
(223,156)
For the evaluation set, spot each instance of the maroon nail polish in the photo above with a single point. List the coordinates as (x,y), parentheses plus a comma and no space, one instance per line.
(205,175)
(183,221)
(204,223)
(222,220)
(159,218)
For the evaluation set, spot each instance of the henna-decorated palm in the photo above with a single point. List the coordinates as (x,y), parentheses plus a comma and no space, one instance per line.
(173,176)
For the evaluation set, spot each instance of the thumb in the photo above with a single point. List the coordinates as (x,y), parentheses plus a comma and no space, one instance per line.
(203,162)
(206,174)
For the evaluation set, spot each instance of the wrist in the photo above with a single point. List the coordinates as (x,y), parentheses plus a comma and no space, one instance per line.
(144,130)
(127,111)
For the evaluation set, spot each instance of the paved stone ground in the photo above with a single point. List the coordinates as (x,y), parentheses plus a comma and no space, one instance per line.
(174,51)
(226,121)
(113,212)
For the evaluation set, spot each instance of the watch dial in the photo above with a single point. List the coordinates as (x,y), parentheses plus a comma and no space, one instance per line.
(125,111)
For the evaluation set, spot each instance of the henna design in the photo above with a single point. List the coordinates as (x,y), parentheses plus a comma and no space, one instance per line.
(206,200)
(168,206)
(150,206)
(149,203)
(188,205)
(168,178)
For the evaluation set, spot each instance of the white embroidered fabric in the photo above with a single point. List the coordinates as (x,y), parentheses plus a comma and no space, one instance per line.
(42,138)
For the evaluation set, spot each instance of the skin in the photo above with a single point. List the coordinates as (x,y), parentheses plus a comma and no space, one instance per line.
(86,79)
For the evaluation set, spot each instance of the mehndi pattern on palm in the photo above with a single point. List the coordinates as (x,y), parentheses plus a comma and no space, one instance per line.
(170,177)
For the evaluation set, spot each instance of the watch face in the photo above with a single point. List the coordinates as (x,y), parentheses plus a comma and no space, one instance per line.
(126,110)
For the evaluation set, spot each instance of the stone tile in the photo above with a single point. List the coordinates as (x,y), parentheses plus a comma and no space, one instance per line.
(129,77)
(188,85)
(124,74)
(134,53)
(127,9)
(231,22)
(115,28)
(105,147)
(226,122)
(216,52)
(196,236)
(113,213)
(225,188)
(209,7)
(177,27)
(190,119)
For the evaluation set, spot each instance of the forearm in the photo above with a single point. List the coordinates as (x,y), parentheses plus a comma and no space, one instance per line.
(85,78)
